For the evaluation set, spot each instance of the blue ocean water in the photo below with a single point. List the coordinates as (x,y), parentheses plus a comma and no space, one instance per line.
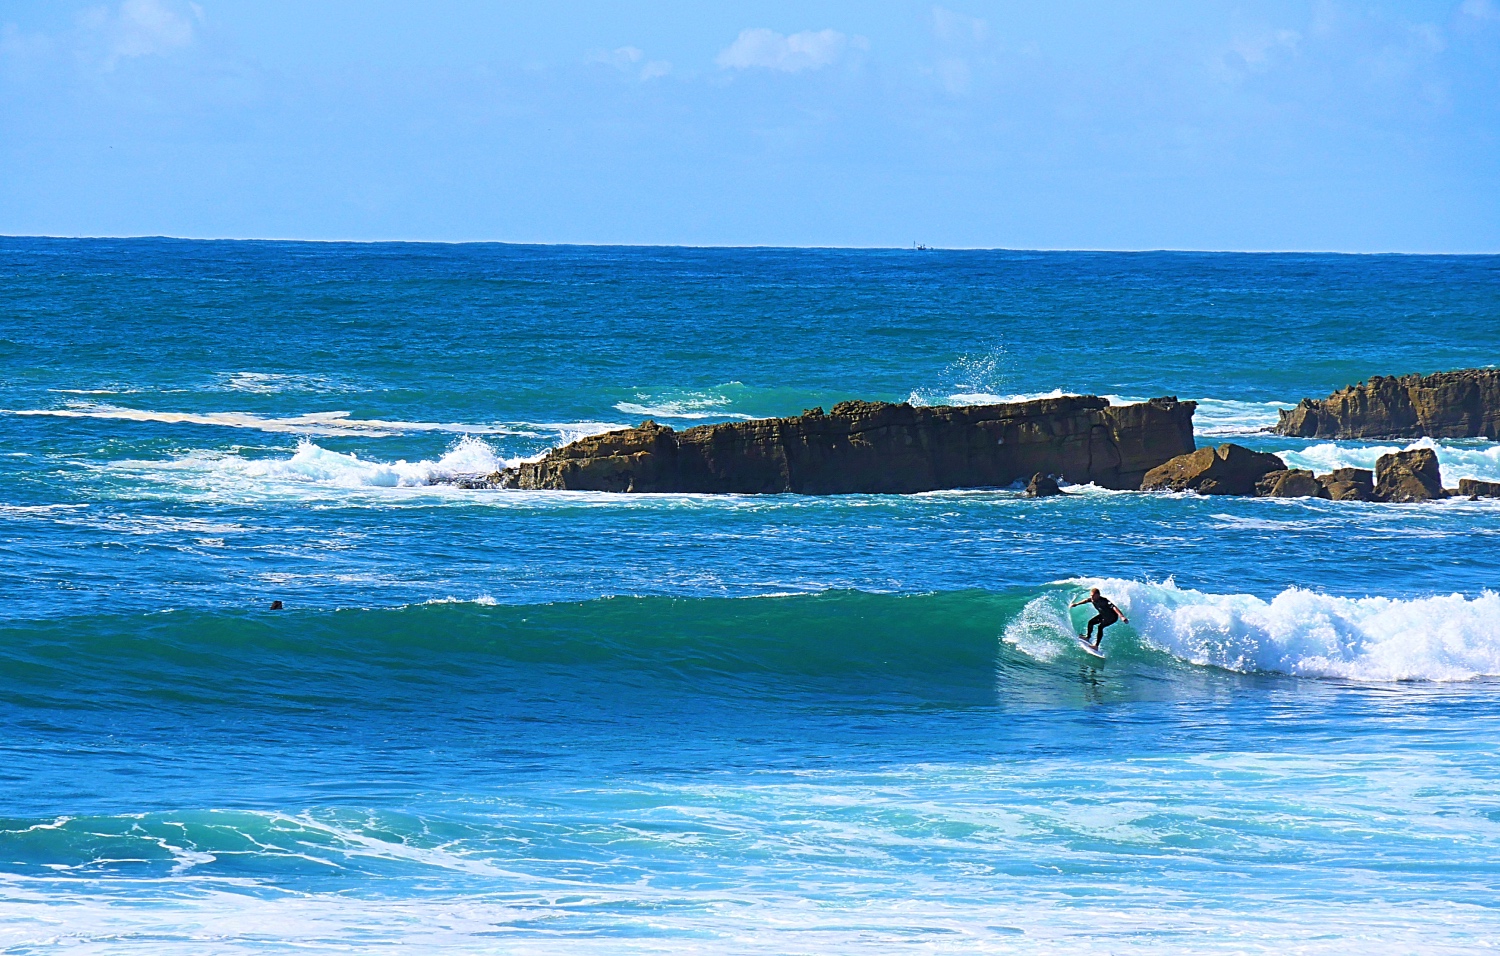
(560,722)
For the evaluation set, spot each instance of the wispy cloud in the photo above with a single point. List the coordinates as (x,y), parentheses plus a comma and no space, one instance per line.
(767,49)
(142,28)
(628,59)
(951,27)
(1480,9)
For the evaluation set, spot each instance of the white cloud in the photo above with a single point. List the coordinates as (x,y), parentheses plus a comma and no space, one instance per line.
(955,75)
(621,59)
(142,28)
(809,50)
(655,69)
(1480,10)
(1255,49)
(953,27)
(625,59)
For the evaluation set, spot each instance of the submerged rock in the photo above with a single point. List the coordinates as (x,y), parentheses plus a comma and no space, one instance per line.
(1350,484)
(1291,483)
(1043,486)
(876,448)
(1225,470)
(1474,488)
(1408,476)
(1460,404)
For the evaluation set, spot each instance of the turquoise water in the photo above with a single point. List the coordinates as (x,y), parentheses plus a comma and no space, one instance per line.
(555,722)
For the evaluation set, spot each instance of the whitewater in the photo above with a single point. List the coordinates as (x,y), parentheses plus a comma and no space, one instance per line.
(534,722)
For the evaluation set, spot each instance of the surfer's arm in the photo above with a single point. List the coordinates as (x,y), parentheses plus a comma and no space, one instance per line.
(1119,612)
(1078,602)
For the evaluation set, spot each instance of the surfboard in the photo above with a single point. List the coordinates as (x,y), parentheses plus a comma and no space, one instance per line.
(1088,648)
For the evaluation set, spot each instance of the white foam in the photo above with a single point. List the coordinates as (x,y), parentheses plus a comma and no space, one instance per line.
(275,383)
(319,424)
(1220,417)
(1456,459)
(315,465)
(687,404)
(1306,633)
(325,424)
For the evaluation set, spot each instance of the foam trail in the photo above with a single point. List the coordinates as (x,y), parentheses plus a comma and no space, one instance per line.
(1458,460)
(325,424)
(317,424)
(717,402)
(1300,632)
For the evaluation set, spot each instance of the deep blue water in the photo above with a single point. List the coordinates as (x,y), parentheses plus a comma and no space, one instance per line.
(542,722)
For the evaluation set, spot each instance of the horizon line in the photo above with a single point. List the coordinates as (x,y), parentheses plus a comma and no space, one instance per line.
(914,247)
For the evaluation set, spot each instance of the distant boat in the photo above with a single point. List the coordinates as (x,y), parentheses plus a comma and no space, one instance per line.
(920,247)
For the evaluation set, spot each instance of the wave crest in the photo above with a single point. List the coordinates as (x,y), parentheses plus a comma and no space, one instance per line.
(1305,633)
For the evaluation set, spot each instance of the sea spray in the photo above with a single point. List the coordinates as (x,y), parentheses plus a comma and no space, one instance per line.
(1309,634)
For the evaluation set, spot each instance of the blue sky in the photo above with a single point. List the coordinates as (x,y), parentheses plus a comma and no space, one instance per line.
(1333,124)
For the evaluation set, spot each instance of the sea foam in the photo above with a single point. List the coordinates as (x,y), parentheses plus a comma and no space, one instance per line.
(1299,632)
(1467,459)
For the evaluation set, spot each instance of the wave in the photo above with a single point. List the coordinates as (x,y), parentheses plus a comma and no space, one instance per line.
(1298,632)
(277,383)
(965,646)
(1458,459)
(717,402)
(315,465)
(318,424)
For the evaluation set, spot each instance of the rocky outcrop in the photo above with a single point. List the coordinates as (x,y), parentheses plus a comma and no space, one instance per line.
(1225,470)
(1043,486)
(1349,484)
(1461,404)
(1291,483)
(1474,488)
(1408,476)
(876,448)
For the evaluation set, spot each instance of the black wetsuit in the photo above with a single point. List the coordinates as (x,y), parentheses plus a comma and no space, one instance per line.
(1107,615)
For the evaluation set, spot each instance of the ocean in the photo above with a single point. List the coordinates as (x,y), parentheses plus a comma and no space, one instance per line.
(543,722)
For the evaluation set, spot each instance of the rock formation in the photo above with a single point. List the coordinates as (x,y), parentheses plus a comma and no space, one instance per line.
(1474,488)
(1350,484)
(1225,470)
(1291,483)
(1461,404)
(1043,486)
(1408,476)
(876,448)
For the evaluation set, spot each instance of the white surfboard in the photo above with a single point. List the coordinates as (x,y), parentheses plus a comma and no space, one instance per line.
(1088,647)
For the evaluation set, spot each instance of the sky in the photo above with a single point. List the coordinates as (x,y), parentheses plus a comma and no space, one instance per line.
(1075,124)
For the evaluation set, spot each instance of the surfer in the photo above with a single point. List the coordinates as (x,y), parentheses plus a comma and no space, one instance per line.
(1108,614)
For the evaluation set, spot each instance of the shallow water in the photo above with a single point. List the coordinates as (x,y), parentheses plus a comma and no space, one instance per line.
(531,722)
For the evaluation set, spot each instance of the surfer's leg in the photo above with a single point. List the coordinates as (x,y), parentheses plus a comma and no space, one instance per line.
(1100,639)
(1095,621)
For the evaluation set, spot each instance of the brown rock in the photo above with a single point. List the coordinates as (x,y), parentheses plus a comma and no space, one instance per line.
(1043,486)
(1290,483)
(1474,488)
(1349,484)
(1225,470)
(877,448)
(1461,404)
(1408,476)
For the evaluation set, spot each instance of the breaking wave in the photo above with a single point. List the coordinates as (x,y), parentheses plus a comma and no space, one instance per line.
(1298,632)
(313,464)
(1458,459)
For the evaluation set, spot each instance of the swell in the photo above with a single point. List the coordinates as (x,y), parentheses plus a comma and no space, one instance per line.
(963,646)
